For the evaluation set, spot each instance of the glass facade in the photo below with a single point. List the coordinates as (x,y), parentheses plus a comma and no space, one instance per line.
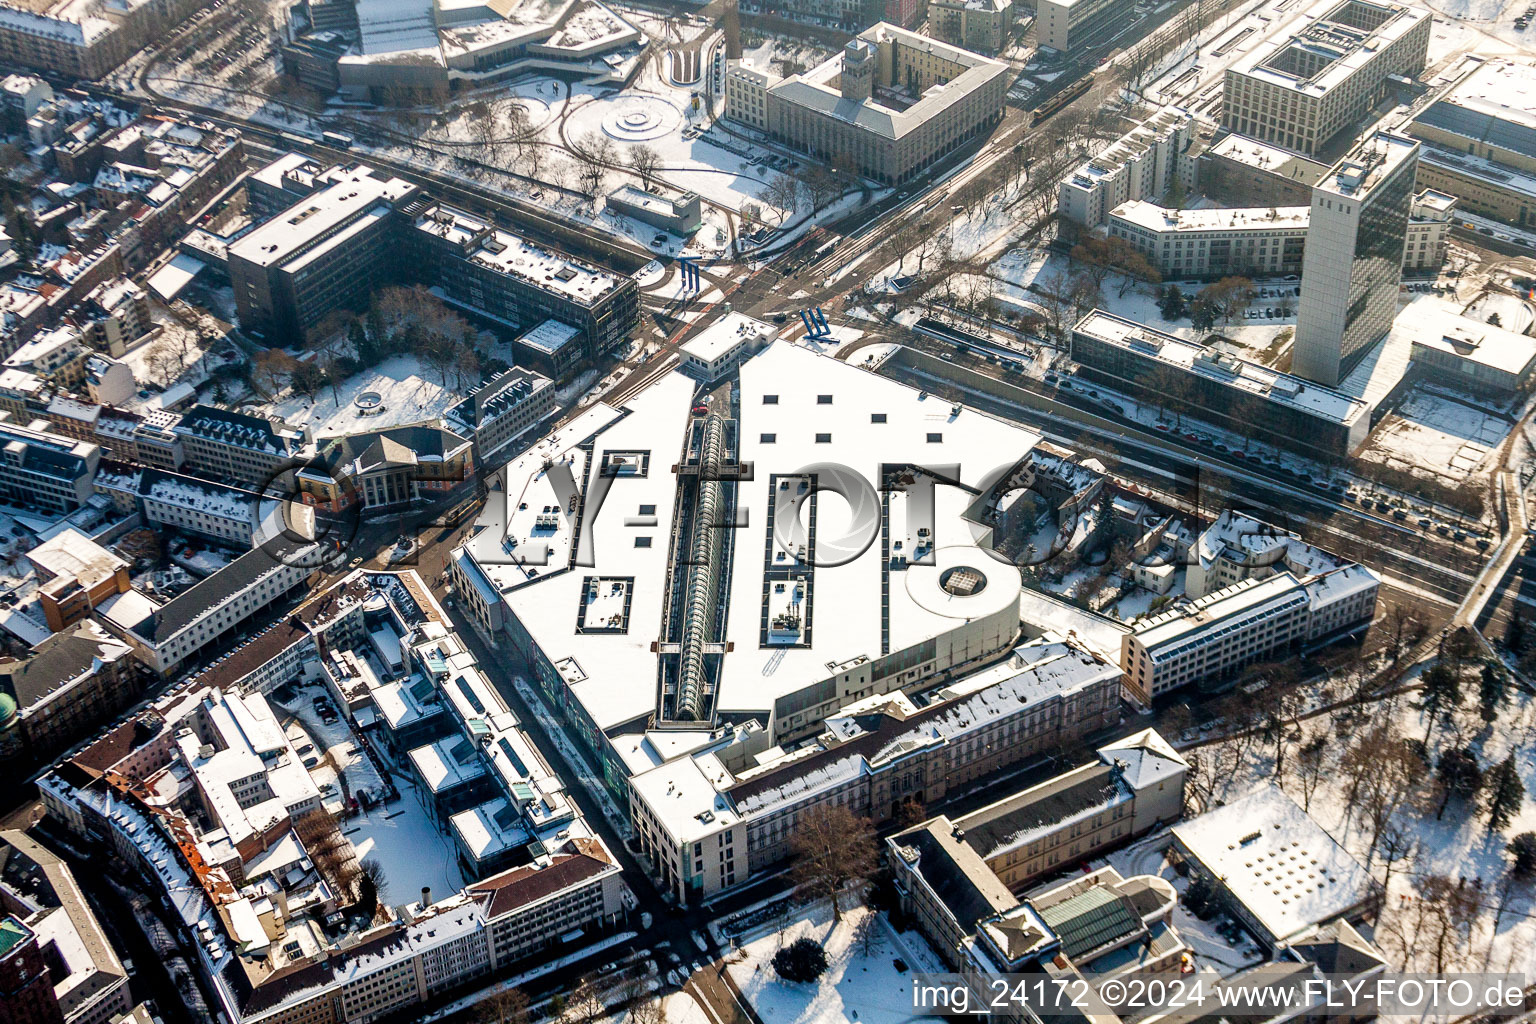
(1376,266)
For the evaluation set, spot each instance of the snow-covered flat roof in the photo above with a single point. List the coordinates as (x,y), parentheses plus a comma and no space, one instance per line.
(1256,379)
(1431,322)
(725,335)
(1318,28)
(486,245)
(1166,218)
(1216,610)
(1281,865)
(798,409)
(317,216)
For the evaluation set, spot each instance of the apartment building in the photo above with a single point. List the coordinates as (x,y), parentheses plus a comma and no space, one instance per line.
(90,983)
(712,819)
(329,251)
(1254,399)
(234,447)
(1313,78)
(1353,267)
(44,470)
(887,106)
(1143,164)
(501,410)
(1264,242)
(202,620)
(1213,638)
(1479,141)
(60,39)
(56,356)
(206,797)
(1070,26)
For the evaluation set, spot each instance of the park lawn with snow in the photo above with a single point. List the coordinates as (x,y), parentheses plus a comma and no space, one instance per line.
(857,986)
(408,391)
(1457,847)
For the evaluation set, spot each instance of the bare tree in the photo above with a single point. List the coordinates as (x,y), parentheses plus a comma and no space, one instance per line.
(594,156)
(783,191)
(586,1004)
(645,160)
(505,1006)
(832,847)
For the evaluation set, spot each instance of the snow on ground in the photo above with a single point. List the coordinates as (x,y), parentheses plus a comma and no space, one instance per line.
(413,849)
(1457,847)
(1440,435)
(1023,267)
(409,395)
(867,988)
(1212,950)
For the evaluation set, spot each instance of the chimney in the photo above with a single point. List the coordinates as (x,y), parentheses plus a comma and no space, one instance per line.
(426,896)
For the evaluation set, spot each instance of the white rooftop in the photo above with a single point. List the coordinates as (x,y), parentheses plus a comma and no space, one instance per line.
(1434,323)
(1258,380)
(1167,218)
(1285,869)
(727,333)
(613,674)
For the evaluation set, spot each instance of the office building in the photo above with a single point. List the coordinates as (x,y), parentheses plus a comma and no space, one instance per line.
(1354,261)
(1211,639)
(726,811)
(1250,398)
(1143,164)
(1261,242)
(723,346)
(501,410)
(1429,222)
(1479,141)
(887,106)
(76,574)
(1134,785)
(329,251)
(1450,347)
(1238,547)
(235,447)
(1238,171)
(1315,76)
(513,281)
(1071,26)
